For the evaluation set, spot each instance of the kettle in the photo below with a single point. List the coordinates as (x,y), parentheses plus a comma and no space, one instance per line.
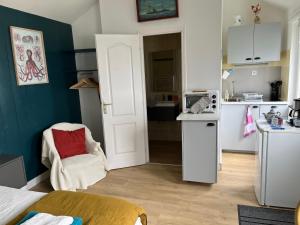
(270,115)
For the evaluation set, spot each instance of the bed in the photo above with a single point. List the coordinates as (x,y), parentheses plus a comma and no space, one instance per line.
(15,201)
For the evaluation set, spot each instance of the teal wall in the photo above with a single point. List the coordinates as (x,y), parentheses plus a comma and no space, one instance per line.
(25,111)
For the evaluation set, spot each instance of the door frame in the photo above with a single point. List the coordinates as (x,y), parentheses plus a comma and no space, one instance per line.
(153,32)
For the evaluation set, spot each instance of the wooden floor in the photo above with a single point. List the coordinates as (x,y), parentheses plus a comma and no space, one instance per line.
(165,152)
(170,201)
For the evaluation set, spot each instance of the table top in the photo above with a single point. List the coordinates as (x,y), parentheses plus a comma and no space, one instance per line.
(265,127)
(199,117)
(6,158)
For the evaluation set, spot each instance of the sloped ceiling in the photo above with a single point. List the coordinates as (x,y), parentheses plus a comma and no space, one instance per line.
(62,10)
(286,4)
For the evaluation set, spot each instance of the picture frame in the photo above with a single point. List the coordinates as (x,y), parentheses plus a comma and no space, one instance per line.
(149,10)
(29,56)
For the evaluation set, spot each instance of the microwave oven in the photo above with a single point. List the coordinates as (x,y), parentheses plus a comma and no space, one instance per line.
(190,98)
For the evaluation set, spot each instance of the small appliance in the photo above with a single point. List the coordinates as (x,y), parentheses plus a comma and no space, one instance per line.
(191,98)
(295,113)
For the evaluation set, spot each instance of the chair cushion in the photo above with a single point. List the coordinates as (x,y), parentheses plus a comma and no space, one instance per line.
(69,143)
(80,161)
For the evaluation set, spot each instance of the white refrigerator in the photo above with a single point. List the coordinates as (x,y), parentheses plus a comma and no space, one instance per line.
(277,166)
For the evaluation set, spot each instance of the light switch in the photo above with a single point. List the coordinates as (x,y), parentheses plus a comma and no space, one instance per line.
(254,73)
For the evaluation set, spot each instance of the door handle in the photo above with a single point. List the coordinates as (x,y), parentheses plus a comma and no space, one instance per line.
(104,105)
(255,107)
(210,125)
(257,58)
(248,59)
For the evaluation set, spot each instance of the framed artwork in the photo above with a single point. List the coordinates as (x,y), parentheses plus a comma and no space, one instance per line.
(29,56)
(156,9)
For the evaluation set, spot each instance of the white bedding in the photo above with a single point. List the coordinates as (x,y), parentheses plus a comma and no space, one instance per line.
(14,201)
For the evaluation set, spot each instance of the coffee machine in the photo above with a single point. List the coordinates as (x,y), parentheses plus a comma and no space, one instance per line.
(295,113)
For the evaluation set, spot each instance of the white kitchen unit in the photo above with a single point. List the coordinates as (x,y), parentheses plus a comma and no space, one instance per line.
(240,44)
(277,166)
(251,44)
(199,147)
(233,116)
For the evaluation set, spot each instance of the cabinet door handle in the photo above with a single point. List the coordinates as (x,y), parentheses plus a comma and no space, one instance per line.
(255,107)
(210,125)
(257,58)
(248,59)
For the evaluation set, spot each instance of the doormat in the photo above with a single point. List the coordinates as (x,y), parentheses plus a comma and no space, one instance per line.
(249,215)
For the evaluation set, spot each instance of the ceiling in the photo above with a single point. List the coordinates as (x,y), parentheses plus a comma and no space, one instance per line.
(69,10)
(62,10)
(286,4)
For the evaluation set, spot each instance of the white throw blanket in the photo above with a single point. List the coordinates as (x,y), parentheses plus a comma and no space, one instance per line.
(47,219)
(77,172)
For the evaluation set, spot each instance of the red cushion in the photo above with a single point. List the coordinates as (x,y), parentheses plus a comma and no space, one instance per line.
(69,143)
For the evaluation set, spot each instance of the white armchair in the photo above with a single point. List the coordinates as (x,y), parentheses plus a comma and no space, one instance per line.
(76,172)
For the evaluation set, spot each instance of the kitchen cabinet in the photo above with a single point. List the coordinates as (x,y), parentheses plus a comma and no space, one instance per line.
(252,44)
(199,151)
(233,123)
(232,128)
(277,166)
(240,44)
(267,42)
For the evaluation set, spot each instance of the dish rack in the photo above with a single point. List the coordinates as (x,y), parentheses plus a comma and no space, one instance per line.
(252,97)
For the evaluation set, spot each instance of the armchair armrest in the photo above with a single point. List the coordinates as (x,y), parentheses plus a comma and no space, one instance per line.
(94,148)
(49,153)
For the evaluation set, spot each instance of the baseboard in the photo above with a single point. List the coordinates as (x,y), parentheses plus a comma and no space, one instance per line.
(35,181)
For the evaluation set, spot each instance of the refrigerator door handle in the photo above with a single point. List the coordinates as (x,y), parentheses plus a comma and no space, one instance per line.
(210,125)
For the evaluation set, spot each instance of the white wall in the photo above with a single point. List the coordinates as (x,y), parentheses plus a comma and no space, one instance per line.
(270,13)
(201,22)
(85,27)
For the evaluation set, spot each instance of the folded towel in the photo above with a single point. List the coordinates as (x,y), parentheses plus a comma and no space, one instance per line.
(200,105)
(47,219)
(249,124)
(33,215)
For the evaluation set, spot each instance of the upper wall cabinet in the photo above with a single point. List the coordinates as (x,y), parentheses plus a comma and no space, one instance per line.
(252,44)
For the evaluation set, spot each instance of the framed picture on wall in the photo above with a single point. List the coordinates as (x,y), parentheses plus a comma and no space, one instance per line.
(29,56)
(156,9)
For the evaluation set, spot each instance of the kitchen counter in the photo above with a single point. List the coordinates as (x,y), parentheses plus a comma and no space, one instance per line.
(265,127)
(255,103)
(200,117)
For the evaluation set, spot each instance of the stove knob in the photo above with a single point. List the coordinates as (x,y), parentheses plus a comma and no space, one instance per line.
(214,106)
(214,96)
(214,101)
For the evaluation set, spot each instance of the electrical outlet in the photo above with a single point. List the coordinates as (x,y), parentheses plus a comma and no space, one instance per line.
(254,73)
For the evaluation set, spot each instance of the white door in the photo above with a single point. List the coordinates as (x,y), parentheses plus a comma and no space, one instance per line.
(123,99)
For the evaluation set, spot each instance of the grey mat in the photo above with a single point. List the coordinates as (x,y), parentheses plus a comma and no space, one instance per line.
(249,215)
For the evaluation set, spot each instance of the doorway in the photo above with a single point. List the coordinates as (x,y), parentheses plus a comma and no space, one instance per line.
(163,76)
